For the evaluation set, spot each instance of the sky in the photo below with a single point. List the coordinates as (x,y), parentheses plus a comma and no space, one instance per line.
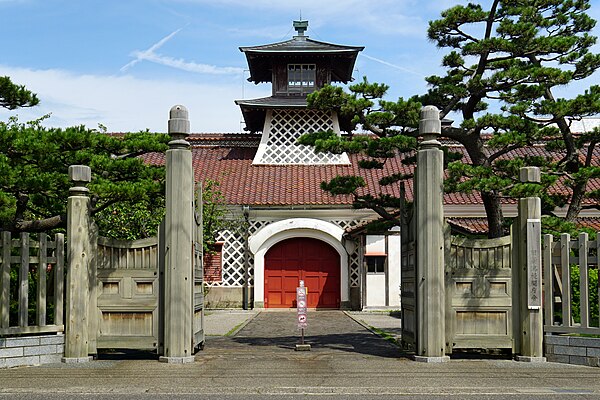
(124,63)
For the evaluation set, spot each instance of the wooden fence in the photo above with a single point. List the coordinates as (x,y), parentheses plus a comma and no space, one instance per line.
(561,260)
(24,260)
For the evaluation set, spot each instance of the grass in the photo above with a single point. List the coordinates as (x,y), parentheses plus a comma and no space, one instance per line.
(385,335)
(235,328)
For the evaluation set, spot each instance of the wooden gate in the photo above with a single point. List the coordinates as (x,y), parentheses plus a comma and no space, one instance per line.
(125,294)
(408,296)
(198,281)
(478,293)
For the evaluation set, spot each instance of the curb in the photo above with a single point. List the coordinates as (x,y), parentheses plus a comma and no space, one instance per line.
(240,326)
(372,329)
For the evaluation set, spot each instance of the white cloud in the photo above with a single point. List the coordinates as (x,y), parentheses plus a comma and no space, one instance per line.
(127,104)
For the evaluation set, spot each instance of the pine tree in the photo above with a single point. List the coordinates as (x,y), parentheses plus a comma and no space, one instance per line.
(14,96)
(504,66)
(34,161)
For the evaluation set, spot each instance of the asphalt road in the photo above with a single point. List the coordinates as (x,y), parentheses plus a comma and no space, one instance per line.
(346,362)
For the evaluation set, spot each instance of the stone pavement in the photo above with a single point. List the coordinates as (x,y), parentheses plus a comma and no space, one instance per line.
(226,322)
(347,361)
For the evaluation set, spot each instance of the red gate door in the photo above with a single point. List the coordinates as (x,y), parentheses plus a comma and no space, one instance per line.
(312,260)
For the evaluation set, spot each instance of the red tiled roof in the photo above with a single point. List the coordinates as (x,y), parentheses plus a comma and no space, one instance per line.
(227,159)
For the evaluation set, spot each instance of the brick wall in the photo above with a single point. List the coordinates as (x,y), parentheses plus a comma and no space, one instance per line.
(31,350)
(573,350)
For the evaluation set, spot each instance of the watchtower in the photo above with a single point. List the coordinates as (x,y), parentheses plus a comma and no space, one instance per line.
(295,68)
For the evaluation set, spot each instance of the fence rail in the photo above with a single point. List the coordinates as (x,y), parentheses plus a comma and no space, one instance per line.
(562,259)
(42,263)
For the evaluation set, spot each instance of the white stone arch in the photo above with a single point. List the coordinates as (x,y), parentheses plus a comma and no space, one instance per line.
(271,234)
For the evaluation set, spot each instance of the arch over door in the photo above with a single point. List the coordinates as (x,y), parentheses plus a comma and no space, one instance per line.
(312,260)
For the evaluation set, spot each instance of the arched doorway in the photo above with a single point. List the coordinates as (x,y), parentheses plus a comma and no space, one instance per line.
(312,260)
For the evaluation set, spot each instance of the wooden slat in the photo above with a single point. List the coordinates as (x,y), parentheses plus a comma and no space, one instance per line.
(24,280)
(42,281)
(571,329)
(59,280)
(27,330)
(548,284)
(565,263)
(583,280)
(5,281)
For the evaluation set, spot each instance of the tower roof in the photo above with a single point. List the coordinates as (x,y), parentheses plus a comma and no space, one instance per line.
(300,47)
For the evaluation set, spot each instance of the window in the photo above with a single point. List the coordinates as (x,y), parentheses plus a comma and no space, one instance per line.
(301,77)
(375,264)
(213,263)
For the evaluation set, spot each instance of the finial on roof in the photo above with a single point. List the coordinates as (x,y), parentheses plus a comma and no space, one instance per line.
(300,27)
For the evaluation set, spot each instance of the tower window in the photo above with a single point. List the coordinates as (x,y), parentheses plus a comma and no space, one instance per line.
(301,77)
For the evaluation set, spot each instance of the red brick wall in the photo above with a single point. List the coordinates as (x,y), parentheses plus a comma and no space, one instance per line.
(213,264)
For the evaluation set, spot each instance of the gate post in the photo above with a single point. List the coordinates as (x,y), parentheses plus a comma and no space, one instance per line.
(527,274)
(78,266)
(178,303)
(429,192)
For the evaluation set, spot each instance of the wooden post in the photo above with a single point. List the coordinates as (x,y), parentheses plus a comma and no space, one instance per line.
(59,279)
(584,298)
(178,325)
(527,273)
(78,260)
(548,280)
(5,280)
(429,191)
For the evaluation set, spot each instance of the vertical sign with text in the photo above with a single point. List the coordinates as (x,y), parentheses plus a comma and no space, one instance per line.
(301,304)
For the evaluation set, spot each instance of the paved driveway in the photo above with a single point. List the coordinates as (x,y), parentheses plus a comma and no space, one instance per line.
(328,332)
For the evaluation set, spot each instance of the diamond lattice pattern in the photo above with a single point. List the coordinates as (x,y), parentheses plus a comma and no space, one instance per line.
(286,127)
(233,256)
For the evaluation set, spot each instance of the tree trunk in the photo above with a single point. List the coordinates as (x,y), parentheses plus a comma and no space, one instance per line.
(576,201)
(493,210)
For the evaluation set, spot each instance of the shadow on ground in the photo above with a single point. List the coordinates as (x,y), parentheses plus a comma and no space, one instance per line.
(347,342)
(127,354)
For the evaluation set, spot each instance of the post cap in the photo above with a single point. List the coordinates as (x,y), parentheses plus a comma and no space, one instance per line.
(430,123)
(530,175)
(80,173)
(179,123)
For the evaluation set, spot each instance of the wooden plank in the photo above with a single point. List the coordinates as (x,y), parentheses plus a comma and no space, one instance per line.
(128,342)
(571,329)
(548,280)
(5,281)
(565,264)
(59,280)
(27,330)
(534,263)
(127,244)
(42,280)
(583,280)
(24,280)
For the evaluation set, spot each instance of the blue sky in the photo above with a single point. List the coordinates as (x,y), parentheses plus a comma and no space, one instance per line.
(124,63)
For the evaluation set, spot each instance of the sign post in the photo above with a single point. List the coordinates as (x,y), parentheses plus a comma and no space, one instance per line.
(301,304)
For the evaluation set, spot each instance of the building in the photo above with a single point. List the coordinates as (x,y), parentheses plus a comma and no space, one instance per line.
(290,229)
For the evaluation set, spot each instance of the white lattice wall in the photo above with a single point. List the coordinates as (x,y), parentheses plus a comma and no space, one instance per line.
(233,256)
(278,146)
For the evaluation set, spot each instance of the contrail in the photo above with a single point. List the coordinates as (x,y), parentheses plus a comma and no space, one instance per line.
(141,55)
(392,65)
(151,55)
